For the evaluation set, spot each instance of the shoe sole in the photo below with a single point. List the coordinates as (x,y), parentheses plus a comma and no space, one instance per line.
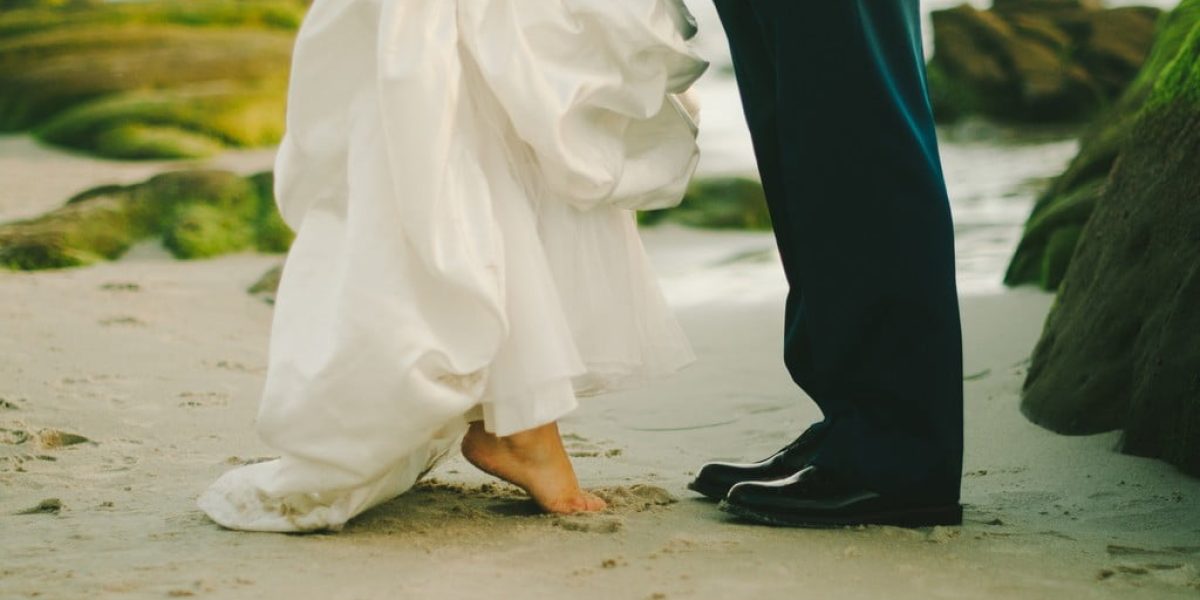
(910,517)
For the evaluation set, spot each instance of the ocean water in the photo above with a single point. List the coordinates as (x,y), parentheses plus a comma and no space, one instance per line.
(993,173)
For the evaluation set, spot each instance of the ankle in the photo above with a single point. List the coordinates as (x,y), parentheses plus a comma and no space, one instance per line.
(538,438)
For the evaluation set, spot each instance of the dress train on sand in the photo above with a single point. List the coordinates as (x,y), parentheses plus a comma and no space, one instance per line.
(462,177)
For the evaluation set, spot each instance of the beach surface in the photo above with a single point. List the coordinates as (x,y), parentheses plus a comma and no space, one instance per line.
(128,387)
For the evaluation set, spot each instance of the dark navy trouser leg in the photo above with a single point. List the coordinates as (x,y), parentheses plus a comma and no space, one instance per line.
(835,96)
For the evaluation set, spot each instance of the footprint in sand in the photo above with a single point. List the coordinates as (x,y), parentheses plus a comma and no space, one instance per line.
(612,563)
(635,498)
(503,501)
(1168,573)
(609,453)
(122,321)
(14,436)
(203,399)
(121,286)
(1119,550)
(84,380)
(580,447)
(1172,565)
(119,463)
(590,523)
(230,365)
(682,544)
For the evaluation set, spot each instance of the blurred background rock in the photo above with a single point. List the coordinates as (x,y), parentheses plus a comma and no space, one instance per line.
(142,80)
(1036,60)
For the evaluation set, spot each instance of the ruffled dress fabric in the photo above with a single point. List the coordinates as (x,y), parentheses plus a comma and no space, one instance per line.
(461,176)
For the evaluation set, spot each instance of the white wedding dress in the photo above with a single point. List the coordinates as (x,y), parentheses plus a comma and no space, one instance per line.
(461,176)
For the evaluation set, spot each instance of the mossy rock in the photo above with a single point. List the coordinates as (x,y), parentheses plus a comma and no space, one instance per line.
(267,285)
(202,231)
(27,16)
(1035,60)
(271,233)
(1179,83)
(183,123)
(162,79)
(1043,254)
(100,229)
(1062,205)
(1119,349)
(718,203)
(26,4)
(196,214)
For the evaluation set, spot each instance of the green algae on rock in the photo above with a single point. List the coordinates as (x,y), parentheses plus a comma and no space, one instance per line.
(196,214)
(1119,350)
(199,214)
(268,284)
(159,79)
(1067,203)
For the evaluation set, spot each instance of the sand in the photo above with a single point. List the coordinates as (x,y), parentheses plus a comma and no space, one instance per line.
(128,387)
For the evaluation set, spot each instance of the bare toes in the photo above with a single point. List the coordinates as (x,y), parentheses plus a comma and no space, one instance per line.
(594,503)
(578,503)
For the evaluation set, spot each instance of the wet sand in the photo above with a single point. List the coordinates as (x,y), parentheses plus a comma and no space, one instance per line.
(158,364)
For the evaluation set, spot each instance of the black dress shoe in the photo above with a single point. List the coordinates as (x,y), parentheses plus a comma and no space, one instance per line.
(715,478)
(814,497)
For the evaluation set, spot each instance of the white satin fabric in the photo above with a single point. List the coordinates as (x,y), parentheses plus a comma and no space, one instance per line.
(460,175)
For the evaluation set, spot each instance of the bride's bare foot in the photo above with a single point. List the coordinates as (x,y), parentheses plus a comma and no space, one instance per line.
(535,461)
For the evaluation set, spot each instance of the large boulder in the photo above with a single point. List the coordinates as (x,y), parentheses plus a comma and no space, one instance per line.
(1045,249)
(1120,349)
(1035,60)
(195,214)
(157,79)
